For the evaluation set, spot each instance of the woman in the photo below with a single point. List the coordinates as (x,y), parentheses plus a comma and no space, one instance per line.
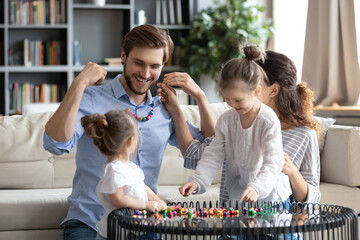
(293,105)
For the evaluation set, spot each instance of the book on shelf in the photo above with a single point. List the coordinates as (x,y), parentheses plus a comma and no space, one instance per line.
(77,59)
(164,12)
(172,12)
(27,60)
(52,12)
(158,12)
(38,12)
(179,12)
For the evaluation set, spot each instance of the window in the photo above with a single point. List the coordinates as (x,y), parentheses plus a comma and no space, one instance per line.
(290,29)
(357,23)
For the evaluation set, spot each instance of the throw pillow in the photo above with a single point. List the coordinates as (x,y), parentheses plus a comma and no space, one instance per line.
(324,124)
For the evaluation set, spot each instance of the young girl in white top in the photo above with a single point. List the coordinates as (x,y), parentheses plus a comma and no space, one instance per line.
(122,185)
(248,136)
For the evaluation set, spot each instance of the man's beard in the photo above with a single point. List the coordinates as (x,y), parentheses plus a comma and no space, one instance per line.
(129,83)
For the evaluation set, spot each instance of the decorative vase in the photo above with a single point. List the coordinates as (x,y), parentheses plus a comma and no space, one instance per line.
(210,88)
(100,2)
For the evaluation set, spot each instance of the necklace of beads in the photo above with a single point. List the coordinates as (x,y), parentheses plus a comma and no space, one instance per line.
(143,119)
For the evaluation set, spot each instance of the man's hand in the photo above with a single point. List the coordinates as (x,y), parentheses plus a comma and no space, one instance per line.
(91,74)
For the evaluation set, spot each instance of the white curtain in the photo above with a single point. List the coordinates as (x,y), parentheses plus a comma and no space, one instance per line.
(330,64)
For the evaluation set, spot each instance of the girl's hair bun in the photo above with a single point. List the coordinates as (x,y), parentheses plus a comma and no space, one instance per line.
(253,53)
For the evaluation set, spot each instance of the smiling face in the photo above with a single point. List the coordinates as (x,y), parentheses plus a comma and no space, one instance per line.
(142,68)
(239,97)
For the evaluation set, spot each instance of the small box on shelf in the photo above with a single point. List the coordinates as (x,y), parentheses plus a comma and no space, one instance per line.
(113,61)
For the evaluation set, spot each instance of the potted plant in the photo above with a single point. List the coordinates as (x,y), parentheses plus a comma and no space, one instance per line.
(218,34)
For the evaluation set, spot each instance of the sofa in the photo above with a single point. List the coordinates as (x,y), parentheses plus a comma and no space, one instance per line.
(34,184)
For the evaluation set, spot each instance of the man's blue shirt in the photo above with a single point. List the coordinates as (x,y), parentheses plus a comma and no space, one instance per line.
(154,136)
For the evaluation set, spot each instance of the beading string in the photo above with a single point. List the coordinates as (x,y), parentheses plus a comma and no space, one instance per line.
(143,119)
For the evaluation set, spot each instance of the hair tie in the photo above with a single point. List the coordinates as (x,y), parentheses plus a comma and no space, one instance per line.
(100,125)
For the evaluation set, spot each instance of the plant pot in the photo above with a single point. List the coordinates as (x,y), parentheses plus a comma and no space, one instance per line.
(209,86)
(100,2)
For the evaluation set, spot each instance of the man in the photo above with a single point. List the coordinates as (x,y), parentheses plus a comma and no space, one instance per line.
(144,52)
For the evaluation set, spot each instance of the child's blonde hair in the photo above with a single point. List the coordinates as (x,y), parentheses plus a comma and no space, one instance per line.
(243,69)
(110,132)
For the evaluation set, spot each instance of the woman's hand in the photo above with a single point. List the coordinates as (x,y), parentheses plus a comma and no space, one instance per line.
(289,167)
(188,188)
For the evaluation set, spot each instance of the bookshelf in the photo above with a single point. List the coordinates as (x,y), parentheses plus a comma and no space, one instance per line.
(48,65)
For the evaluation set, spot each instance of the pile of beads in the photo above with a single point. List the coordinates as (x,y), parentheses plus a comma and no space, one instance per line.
(264,210)
(221,212)
(252,211)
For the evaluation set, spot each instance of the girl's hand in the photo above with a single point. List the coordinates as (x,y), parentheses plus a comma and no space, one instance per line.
(289,167)
(249,195)
(162,204)
(183,80)
(154,206)
(169,98)
(188,188)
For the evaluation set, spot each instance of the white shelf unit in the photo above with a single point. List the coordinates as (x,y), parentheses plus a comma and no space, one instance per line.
(99,29)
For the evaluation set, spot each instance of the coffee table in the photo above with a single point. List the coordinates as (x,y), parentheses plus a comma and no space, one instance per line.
(276,221)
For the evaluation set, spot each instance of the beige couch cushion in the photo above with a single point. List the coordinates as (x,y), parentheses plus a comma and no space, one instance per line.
(40,234)
(170,194)
(22,154)
(340,195)
(340,158)
(33,208)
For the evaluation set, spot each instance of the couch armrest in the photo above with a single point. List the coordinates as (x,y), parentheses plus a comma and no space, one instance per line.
(340,158)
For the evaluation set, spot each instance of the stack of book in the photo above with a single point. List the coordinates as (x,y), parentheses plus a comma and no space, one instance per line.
(38,12)
(39,53)
(24,93)
(169,12)
(113,61)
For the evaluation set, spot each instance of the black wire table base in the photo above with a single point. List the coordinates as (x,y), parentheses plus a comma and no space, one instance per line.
(269,221)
